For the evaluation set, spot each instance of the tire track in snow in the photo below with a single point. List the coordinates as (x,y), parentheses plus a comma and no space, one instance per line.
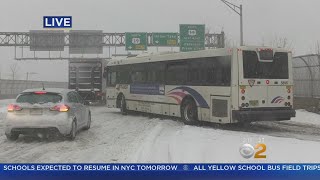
(111,138)
(156,143)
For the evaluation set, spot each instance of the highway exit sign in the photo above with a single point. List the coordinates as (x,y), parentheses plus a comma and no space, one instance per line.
(165,39)
(136,41)
(192,37)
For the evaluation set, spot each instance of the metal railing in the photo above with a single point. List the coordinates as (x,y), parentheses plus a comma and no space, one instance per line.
(306,75)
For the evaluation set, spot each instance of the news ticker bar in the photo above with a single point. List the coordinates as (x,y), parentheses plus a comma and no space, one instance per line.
(162,167)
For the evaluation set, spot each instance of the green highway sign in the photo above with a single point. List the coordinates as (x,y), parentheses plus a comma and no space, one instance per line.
(191,46)
(136,41)
(192,37)
(165,39)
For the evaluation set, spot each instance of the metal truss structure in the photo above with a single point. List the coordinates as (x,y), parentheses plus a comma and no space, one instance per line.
(110,39)
(22,39)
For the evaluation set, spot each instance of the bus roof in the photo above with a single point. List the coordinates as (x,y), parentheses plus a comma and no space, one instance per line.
(168,56)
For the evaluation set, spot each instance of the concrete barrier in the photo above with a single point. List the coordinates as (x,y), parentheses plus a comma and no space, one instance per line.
(11,88)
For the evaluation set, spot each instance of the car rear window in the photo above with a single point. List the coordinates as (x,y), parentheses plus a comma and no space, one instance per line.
(33,98)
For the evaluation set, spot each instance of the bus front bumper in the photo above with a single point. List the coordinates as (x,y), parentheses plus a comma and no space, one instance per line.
(263,114)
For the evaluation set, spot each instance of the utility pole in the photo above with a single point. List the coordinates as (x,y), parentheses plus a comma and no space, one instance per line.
(238,10)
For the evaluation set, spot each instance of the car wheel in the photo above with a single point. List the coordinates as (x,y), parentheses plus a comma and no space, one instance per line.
(73,132)
(89,122)
(189,112)
(123,105)
(12,136)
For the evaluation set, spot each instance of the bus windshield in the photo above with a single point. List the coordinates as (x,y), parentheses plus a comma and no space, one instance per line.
(277,68)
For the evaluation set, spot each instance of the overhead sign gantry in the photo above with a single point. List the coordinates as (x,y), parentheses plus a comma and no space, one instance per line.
(93,41)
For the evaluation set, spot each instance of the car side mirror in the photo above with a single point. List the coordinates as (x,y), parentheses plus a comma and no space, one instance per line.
(86,103)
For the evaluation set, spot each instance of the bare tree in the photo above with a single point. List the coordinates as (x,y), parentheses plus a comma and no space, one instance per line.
(228,42)
(278,42)
(316,48)
(14,70)
(281,42)
(262,41)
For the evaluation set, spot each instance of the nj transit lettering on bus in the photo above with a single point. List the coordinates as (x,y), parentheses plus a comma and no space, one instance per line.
(147,89)
(179,93)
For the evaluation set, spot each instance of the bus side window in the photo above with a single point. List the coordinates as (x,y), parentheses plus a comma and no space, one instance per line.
(211,72)
(124,74)
(139,73)
(217,71)
(225,62)
(158,72)
(176,73)
(136,77)
(194,73)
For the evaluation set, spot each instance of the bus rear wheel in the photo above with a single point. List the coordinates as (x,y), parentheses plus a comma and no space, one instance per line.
(189,112)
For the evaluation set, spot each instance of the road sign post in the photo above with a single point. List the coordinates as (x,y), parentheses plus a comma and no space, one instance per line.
(192,37)
(136,41)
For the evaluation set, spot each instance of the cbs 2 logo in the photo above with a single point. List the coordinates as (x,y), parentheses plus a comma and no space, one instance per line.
(247,151)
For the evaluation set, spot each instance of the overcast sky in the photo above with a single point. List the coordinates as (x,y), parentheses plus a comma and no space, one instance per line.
(264,21)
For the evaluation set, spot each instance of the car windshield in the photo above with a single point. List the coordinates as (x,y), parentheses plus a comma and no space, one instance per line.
(33,98)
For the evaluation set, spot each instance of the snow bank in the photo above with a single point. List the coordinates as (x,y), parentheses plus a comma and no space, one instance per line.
(205,145)
(306,117)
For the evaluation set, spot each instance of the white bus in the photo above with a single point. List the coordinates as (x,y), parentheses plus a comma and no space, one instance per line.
(237,85)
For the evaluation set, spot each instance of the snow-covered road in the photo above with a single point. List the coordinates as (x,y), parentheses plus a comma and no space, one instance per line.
(133,138)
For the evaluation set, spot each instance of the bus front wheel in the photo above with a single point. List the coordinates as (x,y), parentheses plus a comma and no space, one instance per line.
(123,105)
(189,112)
